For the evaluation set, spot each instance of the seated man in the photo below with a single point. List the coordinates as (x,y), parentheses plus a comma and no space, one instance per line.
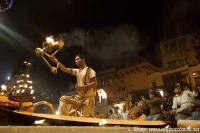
(86,87)
(196,109)
(116,115)
(124,113)
(183,102)
(155,106)
(167,106)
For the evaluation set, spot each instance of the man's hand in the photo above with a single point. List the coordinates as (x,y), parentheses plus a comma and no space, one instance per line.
(173,111)
(142,97)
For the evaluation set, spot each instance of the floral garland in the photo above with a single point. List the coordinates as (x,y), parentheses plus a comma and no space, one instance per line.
(7,4)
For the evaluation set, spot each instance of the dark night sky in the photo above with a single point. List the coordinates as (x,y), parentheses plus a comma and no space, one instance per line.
(114,26)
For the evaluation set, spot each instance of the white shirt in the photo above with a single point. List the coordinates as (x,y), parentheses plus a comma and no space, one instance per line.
(176,101)
(124,115)
(80,74)
(188,97)
(83,78)
(184,98)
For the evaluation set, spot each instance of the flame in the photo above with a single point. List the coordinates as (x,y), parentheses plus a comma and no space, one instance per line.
(57,113)
(32,91)
(25,85)
(51,40)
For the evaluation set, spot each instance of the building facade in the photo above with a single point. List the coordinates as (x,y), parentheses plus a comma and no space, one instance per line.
(180,59)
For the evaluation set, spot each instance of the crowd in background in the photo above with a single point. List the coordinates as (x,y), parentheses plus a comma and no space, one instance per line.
(182,102)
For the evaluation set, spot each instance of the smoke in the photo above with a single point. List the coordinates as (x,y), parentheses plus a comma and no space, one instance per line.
(106,43)
(114,42)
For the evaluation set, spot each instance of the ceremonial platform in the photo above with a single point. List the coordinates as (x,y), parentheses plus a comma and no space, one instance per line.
(88,129)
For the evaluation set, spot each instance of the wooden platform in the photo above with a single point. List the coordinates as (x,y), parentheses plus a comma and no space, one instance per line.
(24,118)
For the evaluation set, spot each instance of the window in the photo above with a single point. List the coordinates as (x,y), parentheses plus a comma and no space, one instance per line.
(183,62)
(172,64)
(153,84)
(173,46)
(181,43)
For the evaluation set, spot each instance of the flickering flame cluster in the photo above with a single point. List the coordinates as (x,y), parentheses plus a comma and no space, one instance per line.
(24,85)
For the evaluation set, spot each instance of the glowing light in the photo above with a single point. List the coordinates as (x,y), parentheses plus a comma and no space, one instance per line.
(29,81)
(57,112)
(40,121)
(27,75)
(8,78)
(167,126)
(51,40)
(14,86)
(188,127)
(3,87)
(103,122)
(25,85)
(18,81)
(161,93)
(31,87)
(119,111)
(20,85)
(33,97)
(32,91)
(18,91)
(23,91)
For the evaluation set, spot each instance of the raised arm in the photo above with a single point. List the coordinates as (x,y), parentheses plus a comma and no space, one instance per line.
(60,65)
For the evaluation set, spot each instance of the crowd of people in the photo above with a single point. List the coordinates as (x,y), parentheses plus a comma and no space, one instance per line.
(183,102)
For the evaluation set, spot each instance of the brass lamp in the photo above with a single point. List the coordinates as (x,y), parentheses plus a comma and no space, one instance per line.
(50,48)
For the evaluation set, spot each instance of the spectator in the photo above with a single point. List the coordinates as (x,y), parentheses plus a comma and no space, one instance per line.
(124,113)
(183,102)
(110,112)
(134,111)
(116,114)
(196,110)
(167,106)
(155,106)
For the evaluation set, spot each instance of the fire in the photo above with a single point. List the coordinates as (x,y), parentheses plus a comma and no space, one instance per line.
(51,40)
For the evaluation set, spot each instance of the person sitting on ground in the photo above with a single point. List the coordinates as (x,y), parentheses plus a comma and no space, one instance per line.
(196,109)
(116,114)
(124,113)
(155,106)
(167,106)
(183,102)
(134,111)
(110,112)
